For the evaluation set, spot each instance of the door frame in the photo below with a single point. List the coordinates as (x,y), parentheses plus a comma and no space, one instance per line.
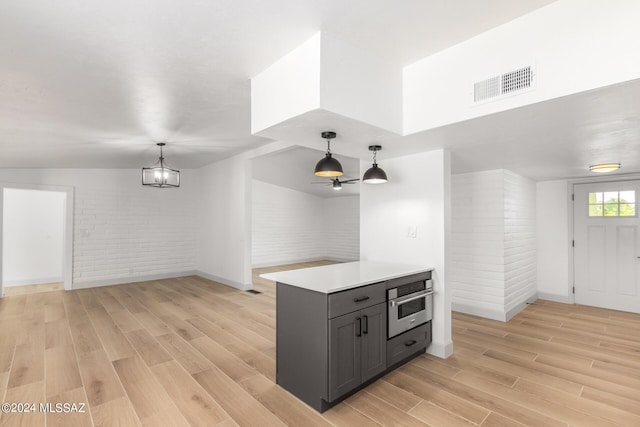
(571,183)
(67,269)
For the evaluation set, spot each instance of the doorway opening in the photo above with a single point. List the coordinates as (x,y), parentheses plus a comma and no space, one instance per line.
(297,217)
(37,232)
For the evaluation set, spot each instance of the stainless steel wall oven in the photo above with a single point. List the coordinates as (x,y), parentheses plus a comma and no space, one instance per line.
(408,306)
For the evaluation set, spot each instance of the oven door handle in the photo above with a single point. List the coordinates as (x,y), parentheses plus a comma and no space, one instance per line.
(397,304)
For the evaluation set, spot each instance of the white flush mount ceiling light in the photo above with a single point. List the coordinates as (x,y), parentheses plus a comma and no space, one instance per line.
(375,174)
(328,166)
(604,167)
(160,175)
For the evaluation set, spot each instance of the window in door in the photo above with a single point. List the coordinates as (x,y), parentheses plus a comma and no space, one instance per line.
(612,203)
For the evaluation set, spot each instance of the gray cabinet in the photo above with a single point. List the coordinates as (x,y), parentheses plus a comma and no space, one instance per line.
(403,346)
(357,349)
(344,354)
(330,345)
(374,341)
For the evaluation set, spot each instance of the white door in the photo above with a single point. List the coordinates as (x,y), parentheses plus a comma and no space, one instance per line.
(607,245)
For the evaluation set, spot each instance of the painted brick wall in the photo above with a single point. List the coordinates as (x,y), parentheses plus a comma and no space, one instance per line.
(342,227)
(520,247)
(122,230)
(493,243)
(291,226)
(132,233)
(477,249)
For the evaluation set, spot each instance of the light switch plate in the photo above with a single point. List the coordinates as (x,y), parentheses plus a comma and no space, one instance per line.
(412,231)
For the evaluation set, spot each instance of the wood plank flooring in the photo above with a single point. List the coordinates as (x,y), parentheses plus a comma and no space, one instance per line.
(32,289)
(191,352)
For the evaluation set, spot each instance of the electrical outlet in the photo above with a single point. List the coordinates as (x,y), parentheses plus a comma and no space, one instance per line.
(412,231)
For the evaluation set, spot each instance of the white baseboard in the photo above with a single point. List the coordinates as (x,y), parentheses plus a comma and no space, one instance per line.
(487,313)
(440,350)
(494,314)
(36,281)
(335,259)
(232,283)
(521,306)
(554,297)
(136,279)
(300,260)
(132,279)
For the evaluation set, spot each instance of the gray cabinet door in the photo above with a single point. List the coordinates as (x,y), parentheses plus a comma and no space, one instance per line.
(374,341)
(344,354)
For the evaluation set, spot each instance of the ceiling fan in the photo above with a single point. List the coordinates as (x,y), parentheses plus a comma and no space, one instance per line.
(337,184)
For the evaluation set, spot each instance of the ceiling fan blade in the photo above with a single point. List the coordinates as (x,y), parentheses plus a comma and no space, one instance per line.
(325,183)
(350,181)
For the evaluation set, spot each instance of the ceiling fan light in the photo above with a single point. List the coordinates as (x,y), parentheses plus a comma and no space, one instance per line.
(328,166)
(604,167)
(374,175)
(337,185)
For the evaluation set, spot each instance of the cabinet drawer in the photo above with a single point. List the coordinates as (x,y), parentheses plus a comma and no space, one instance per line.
(355,299)
(403,346)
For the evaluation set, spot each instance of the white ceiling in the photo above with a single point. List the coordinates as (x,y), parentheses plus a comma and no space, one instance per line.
(549,140)
(556,139)
(95,83)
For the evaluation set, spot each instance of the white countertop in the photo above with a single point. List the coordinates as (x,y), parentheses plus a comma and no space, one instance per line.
(339,277)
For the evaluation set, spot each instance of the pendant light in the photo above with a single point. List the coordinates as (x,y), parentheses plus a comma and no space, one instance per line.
(375,174)
(159,175)
(328,166)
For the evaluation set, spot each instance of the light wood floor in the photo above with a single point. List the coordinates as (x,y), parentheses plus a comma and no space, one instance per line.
(189,351)
(32,289)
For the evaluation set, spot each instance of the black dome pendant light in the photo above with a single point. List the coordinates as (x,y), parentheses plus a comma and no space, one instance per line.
(328,166)
(375,174)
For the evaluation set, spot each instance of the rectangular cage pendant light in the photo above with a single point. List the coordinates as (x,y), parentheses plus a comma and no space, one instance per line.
(160,176)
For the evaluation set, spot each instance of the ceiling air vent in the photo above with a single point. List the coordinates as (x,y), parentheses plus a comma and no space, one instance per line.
(516,80)
(511,83)
(486,89)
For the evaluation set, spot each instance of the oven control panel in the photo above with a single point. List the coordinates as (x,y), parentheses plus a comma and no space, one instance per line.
(407,289)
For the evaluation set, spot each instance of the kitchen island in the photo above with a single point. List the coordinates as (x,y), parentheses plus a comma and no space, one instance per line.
(332,335)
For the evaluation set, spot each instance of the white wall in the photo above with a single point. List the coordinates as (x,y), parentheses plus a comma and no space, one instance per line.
(494,265)
(123,231)
(291,226)
(342,225)
(552,217)
(224,222)
(288,88)
(520,245)
(287,226)
(438,90)
(417,195)
(32,237)
(329,74)
(360,85)
(477,229)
